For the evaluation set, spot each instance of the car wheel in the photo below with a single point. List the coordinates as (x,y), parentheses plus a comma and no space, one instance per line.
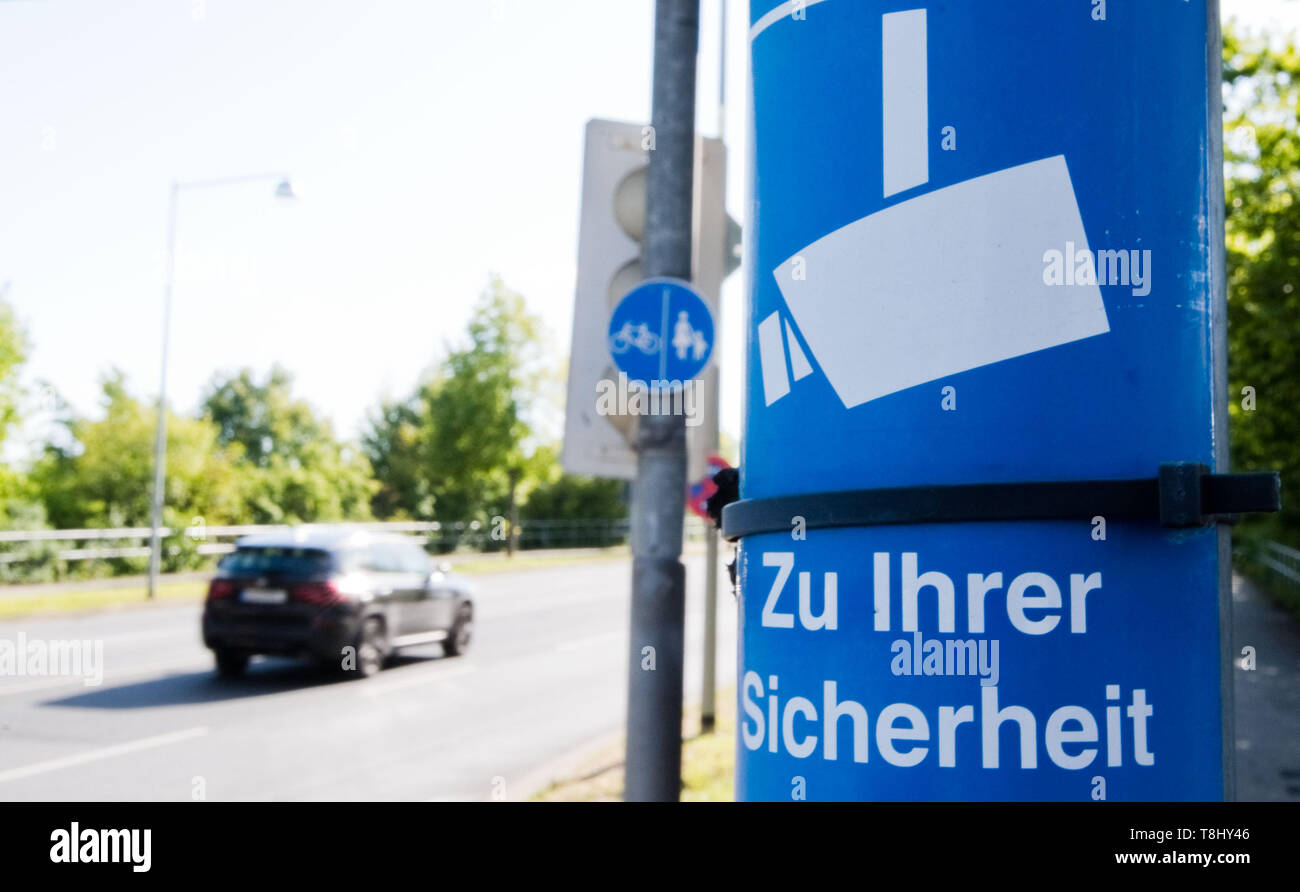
(231,663)
(458,637)
(371,650)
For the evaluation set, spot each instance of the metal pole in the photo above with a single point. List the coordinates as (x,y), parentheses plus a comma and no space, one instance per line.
(1219,325)
(708,704)
(160,431)
(513,513)
(654,707)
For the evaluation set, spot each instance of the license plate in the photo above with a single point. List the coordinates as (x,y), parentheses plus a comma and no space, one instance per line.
(265,596)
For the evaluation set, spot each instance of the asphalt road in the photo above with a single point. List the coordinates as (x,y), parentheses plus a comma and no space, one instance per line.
(546,674)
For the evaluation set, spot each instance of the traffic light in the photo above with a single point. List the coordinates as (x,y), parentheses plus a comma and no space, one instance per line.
(611,230)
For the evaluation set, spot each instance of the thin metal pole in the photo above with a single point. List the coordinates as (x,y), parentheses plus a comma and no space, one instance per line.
(654,708)
(160,431)
(708,703)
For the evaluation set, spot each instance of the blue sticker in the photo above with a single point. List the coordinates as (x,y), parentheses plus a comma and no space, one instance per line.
(981,252)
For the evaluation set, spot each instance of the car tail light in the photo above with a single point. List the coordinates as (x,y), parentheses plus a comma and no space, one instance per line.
(220,588)
(320,593)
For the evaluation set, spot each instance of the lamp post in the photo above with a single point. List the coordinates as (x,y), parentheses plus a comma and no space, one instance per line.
(283,190)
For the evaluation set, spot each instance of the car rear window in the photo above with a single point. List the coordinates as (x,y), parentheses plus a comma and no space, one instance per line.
(278,561)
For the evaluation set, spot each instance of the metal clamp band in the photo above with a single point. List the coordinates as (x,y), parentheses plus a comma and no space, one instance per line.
(1184,494)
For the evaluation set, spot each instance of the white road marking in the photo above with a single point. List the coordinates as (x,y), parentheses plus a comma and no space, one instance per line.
(107,752)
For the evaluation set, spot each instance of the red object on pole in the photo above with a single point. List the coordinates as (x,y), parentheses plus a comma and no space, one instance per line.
(703,488)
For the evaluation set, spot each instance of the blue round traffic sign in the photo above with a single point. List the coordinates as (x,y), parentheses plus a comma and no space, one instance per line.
(661,333)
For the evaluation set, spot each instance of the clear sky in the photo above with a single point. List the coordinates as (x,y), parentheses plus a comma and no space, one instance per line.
(432,141)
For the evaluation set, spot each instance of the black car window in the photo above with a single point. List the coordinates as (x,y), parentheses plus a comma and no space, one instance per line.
(279,561)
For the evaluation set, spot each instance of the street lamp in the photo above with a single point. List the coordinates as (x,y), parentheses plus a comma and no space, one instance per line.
(283,190)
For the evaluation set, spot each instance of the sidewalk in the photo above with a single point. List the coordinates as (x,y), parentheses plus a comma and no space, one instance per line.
(1267,698)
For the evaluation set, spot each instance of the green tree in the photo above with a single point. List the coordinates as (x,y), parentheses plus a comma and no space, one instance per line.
(263,418)
(393,442)
(18,508)
(1262,147)
(13,353)
(20,499)
(293,469)
(447,452)
(569,510)
(475,424)
(105,477)
(329,483)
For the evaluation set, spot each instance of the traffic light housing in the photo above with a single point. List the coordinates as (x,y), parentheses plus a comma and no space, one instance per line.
(611,231)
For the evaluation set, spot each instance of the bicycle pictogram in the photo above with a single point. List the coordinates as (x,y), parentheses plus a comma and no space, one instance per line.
(639,336)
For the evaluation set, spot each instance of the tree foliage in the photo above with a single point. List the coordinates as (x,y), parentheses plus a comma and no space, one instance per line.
(1262,146)
(105,479)
(13,353)
(263,418)
(254,453)
(292,467)
(570,496)
(298,473)
(17,497)
(392,443)
(447,452)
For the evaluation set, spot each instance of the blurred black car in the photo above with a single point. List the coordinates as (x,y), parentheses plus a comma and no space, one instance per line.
(347,598)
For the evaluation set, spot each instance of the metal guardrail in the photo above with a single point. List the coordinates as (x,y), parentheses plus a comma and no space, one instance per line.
(1282,560)
(474,534)
(200,530)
